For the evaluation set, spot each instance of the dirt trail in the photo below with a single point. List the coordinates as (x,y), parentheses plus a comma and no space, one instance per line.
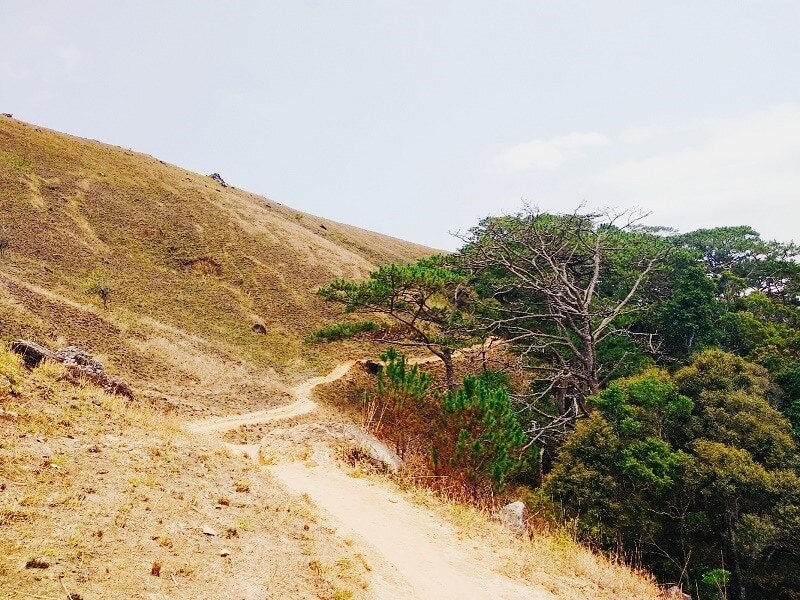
(412,554)
(302,402)
(415,555)
(301,405)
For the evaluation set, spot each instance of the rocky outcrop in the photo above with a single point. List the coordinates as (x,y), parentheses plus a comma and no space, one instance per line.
(32,353)
(513,516)
(79,363)
(218,178)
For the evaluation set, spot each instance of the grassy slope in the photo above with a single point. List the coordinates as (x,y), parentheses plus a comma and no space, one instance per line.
(193,265)
(102,491)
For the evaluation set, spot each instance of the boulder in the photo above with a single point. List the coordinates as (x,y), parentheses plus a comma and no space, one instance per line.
(32,353)
(259,328)
(218,178)
(375,449)
(79,363)
(513,516)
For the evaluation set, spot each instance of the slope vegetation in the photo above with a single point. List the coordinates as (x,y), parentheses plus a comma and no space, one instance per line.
(191,266)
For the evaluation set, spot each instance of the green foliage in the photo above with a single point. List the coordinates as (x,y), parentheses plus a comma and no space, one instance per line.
(693,469)
(479,433)
(342,331)
(715,583)
(394,410)
(687,316)
(738,259)
(423,298)
(625,448)
(399,382)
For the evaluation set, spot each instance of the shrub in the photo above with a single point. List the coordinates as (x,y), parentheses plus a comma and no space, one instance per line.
(479,435)
(397,402)
(99,285)
(342,331)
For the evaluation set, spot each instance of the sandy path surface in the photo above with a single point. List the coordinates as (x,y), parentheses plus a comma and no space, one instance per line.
(302,404)
(412,554)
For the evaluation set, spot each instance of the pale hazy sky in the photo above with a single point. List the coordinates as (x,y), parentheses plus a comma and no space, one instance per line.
(418,118)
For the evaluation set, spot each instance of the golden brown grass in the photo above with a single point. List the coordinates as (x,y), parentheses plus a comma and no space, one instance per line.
(114,498)
(191,266)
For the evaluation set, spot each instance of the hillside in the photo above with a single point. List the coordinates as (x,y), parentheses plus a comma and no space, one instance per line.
(208,483)
(192,266)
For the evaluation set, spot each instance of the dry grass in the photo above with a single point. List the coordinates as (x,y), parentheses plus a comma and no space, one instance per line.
(114,497)
(191,266)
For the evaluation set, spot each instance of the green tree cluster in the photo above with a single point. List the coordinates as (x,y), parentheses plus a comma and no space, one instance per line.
(663,384)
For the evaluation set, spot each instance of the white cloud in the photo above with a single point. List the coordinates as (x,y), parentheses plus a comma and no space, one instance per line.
(547,153)
(736,170)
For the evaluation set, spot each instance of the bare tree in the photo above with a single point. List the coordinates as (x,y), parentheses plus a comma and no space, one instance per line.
(557,286)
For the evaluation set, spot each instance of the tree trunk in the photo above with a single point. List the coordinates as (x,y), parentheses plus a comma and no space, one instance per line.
(738,579)
(449,371)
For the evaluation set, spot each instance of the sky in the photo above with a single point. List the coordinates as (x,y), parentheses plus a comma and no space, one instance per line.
(417,119)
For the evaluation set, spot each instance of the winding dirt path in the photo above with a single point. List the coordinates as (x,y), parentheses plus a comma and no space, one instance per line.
(413,555)
(301,405)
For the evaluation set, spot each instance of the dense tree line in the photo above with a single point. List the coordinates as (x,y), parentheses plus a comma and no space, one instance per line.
(662,412)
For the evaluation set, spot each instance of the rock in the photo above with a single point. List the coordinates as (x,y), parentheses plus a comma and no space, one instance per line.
(675,592)
(259,328)
(208,531)
(374,448)
(79,363)
(32,353)
(218,178)
(373,367)
(513,516)
(224,552)
(9,115)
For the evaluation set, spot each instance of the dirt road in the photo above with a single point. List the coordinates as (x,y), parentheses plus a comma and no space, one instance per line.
(412,554)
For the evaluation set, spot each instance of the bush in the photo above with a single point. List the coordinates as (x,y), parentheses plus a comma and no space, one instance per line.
(98,284)
(342,331)
(397,402)
(479,435)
